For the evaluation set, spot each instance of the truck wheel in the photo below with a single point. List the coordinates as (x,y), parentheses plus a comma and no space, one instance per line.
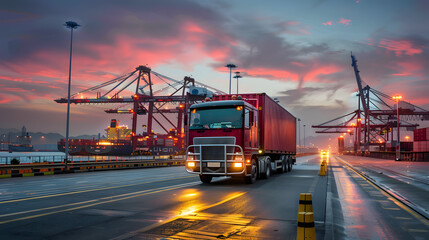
(284,166)
(267,173)
(252,178)
(206,178)
(289,165)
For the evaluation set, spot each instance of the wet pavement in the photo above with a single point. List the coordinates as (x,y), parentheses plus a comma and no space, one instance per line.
(370,213)
(168,203)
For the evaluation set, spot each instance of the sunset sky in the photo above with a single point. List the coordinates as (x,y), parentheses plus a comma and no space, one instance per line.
(297,51)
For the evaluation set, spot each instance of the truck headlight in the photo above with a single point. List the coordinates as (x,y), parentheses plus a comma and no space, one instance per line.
(191,164)
(238,165)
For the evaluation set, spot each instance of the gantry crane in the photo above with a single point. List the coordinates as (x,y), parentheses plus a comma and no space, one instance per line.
(375,117)
(146,103)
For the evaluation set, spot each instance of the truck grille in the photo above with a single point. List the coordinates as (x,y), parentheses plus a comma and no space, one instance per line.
(214,152)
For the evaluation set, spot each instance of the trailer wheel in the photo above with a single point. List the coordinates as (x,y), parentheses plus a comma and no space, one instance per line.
(267,172)
(289,165)
(206,178)
(252,178)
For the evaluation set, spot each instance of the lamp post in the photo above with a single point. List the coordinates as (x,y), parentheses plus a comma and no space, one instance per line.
(304,135)
(299,132)
(237,76)
(230,66)
(71,25)
(398,144)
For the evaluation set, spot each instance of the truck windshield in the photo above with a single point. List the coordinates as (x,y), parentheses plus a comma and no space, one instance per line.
(216,118)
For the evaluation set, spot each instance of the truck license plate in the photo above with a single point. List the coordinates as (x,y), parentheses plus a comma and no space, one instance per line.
(213,164)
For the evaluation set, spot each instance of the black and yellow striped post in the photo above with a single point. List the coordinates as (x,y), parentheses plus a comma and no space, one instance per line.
(306,228)
(322,169)
(326,166)
(305,202)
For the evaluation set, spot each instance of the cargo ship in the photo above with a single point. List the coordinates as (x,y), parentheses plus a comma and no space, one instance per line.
(119,143)
(23,144)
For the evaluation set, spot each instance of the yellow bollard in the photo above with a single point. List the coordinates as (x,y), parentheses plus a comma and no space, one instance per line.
(300,232)
(322,169)
(305,202)
(326,166)
(306,228)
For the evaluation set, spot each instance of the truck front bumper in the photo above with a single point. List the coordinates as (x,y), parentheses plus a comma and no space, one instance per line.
(221,162)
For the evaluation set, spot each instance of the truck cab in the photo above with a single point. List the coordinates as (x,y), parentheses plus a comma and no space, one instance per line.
(222,138)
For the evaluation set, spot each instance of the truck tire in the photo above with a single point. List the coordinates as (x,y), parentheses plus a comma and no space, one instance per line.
(267,172)
(284,167)
(251,179)
(206,178)
(289,165)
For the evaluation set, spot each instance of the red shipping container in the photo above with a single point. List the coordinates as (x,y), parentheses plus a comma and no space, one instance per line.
(421,134)
(426,135)
(415,147)
(277,127)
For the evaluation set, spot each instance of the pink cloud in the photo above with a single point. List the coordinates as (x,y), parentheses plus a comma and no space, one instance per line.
(273,74)
(346,22)
(7,98)
(314,74)
(294,27)
(192,27)
(298,64)
(15,90)
(401,74)
(400,47)
(329,23)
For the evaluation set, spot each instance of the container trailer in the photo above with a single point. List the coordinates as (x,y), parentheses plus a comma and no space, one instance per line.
(248,136)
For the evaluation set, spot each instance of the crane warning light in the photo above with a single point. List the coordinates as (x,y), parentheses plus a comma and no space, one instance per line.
(181,105)
(239,108)
(194,111)
(135,96)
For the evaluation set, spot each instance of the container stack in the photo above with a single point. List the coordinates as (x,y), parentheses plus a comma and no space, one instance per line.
(421,140)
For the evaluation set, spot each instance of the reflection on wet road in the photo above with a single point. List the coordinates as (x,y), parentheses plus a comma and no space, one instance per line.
(163,202)
(171,204)
(370,213)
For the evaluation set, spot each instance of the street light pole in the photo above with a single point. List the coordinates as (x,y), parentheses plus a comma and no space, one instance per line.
(299,132)
(230,66)
(237,76)
(304,135)
(398,144)
(71,25)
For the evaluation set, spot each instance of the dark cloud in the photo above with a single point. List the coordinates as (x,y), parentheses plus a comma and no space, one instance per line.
(118,35)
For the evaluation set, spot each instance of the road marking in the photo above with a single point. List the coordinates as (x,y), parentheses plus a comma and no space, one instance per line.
(394,200)
(417,230)
(134,233)
(402,218)
(88,190)
(393,208)
(134,194)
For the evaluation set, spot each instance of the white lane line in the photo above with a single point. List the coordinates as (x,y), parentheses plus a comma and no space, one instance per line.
(94,202)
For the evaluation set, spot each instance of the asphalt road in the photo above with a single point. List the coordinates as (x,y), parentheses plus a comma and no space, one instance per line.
(169,203)
(368,212)
(156,203)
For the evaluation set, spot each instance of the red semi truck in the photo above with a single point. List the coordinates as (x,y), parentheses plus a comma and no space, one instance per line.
(248,136)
